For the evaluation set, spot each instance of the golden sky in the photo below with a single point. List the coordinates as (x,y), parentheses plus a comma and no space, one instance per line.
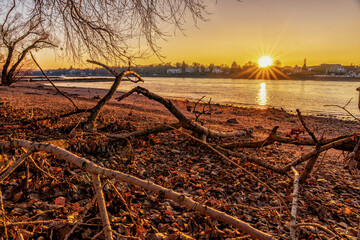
(323,31)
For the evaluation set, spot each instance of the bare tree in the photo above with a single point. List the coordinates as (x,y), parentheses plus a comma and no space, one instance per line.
(109,29)
(18,37)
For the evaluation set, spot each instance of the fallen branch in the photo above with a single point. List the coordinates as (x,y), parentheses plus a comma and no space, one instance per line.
(251,159)
(300,142)
(122,200)
(345,109)
(310,142)
(93,168)
(118,78)
(316,152)
(311,163)
(287,168)
(294,204)
(4,222)
(53,117)
(184,120)
(83,214)
(51,222)
(102,207)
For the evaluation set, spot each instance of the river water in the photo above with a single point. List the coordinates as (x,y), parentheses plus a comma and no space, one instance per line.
(307,95)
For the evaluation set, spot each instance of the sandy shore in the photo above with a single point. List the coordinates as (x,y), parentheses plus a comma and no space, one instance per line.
(261,121)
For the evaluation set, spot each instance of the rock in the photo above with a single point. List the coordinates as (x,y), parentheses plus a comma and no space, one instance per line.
(96,97)
(232,120)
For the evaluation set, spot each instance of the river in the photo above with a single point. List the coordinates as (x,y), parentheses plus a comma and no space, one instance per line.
(307,95)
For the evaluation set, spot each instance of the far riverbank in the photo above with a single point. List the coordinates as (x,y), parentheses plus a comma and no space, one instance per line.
(216,76)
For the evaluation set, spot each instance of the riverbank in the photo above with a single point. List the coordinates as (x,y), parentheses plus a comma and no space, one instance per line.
(261,120)
(173,160)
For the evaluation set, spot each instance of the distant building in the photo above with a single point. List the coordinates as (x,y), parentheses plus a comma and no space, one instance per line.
(297,69)
(217,70)
(190,70)
(174,71)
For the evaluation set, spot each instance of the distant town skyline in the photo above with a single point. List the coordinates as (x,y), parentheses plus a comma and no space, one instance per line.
(323,31)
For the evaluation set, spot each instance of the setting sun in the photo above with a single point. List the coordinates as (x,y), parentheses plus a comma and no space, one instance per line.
(265,61)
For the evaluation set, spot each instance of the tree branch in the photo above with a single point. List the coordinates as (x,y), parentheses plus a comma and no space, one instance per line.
(184,120)
(76,107)
(176,197)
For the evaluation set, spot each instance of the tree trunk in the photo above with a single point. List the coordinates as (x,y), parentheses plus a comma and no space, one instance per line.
(6,80)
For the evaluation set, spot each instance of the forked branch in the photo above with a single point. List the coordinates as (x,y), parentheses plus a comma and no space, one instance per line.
(118,78)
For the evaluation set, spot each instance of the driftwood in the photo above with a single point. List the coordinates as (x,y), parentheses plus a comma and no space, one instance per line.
(95,169)
(348,146)
(79,221)
(287,168)
(294,204)
(184,120)
(94,113)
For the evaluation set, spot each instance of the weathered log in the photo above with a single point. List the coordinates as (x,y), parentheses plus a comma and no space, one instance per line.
(93,168)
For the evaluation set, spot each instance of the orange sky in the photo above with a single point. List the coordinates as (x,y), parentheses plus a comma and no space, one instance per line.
(323,31)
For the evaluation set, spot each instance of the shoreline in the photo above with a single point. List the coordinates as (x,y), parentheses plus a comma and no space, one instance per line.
(110,78)
(344,116)
(260,120)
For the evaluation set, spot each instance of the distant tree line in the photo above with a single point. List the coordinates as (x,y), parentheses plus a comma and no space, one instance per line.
(183,69)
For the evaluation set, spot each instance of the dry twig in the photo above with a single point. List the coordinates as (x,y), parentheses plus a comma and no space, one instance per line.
(16,164)
(76,107)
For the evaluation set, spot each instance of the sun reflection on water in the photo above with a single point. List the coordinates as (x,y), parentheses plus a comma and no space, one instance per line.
(261,98)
